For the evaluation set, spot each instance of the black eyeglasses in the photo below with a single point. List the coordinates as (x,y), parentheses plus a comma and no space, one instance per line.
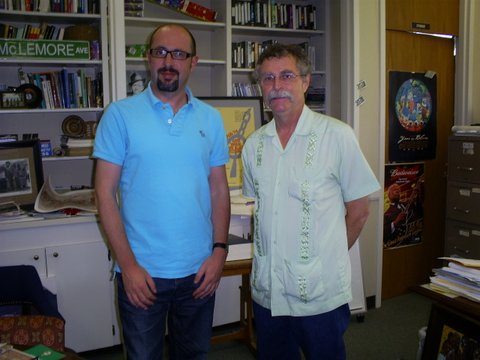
(175,54)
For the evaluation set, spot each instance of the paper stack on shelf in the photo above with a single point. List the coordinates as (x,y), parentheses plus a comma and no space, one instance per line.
(460,277)
(466,130)
(240,248)
(241,205)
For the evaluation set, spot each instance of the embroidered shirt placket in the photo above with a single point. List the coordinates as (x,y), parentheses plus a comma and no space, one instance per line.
(305,233)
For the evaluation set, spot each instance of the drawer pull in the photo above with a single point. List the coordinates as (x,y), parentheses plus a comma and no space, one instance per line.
(461,250)
(55,254)
(464,168)
(465,211)
(36,257)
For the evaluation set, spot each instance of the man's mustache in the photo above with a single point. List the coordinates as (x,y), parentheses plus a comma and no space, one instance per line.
(278,94)
(167,68)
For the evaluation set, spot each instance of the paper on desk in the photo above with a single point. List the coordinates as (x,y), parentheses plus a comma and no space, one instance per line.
(471,263)
(455,288)
(467,273)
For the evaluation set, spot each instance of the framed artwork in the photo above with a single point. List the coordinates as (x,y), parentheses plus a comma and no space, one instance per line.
(137,81)
(13,100)
(451,335)
(21,172)
(241,116)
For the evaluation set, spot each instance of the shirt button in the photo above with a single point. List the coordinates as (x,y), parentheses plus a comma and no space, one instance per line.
(169,121)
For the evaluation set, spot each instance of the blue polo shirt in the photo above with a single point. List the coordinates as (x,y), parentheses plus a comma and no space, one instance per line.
(164,190)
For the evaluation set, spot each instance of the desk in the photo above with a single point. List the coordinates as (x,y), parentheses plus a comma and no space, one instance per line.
(245,333)
(467,307)
(456,316)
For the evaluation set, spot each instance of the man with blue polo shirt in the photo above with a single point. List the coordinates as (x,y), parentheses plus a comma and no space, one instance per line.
(165,151)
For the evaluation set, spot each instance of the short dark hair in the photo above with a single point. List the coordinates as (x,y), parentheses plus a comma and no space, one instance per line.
(192,39)
(278,50)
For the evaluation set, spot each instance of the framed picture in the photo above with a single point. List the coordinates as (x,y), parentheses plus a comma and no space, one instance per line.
(451,335)
(21,172)
(13,100)
(241,116)
(137,81)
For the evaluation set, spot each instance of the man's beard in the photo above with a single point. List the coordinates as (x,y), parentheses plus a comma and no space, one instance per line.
(171,87)
(167,87)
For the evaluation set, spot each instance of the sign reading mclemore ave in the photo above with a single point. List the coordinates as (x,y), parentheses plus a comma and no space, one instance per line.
(45,49)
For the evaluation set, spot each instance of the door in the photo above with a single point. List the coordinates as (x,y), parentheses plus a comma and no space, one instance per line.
(432,16)
(408,266)
(82,276)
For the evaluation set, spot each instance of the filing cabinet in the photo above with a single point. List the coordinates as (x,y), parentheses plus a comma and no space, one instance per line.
(463,197)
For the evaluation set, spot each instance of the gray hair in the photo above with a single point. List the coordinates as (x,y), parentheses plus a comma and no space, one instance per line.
(283,50)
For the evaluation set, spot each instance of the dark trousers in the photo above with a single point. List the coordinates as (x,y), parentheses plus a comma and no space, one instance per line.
(320,337)
(189,322)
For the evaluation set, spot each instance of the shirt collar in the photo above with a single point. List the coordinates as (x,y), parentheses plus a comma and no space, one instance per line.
(303,126)
(154,100)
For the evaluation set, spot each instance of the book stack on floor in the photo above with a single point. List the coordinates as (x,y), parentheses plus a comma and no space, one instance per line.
(461,277)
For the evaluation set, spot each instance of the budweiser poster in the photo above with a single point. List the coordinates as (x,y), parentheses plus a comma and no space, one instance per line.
(403,205)
(412,116)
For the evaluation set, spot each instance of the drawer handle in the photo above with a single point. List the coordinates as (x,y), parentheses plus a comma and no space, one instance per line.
(466,211)
(36,257)
(464,168)
(55,254)
(461,250)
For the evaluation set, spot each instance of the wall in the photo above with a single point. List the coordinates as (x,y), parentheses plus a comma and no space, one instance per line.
(467,91)
(368,48)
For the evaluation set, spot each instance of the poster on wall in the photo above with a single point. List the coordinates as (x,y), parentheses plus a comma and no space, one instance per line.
(412,116)
(403,205)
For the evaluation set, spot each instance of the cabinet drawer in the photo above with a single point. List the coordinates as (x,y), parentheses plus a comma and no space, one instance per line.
(34,257)
(462,239)
(463,202)
(464,159)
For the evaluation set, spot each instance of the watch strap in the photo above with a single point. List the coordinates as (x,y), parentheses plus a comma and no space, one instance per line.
(224,246)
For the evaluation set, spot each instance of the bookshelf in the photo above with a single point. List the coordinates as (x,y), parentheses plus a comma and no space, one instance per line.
(216,74)
(89,71)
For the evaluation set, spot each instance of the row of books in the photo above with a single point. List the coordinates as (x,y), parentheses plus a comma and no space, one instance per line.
(57,6)
(246,89)
(267,13)
(27,31)
(461,277)
(189,8)
(133,8)
(245,53)
(68,90)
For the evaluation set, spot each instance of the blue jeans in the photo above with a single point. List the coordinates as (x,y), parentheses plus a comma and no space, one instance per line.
(189,322)
(318,336)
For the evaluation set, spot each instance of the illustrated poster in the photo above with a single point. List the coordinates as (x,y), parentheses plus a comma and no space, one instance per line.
(403,205)
(412,116)
(239,123)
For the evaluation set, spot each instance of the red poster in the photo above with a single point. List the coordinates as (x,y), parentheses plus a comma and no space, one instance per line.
(403,205)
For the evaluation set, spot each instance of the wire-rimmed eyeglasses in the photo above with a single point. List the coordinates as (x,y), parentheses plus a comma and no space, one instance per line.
(285,78)
(175,54)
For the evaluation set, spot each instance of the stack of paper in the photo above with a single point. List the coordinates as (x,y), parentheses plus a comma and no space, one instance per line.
(461,277)
(240,248)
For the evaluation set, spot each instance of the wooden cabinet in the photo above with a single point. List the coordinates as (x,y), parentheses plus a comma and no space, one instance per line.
(73,262)
(463,195)
(430,16)
(45,66)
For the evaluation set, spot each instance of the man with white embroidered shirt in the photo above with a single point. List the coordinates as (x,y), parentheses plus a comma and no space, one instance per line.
(311,183)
